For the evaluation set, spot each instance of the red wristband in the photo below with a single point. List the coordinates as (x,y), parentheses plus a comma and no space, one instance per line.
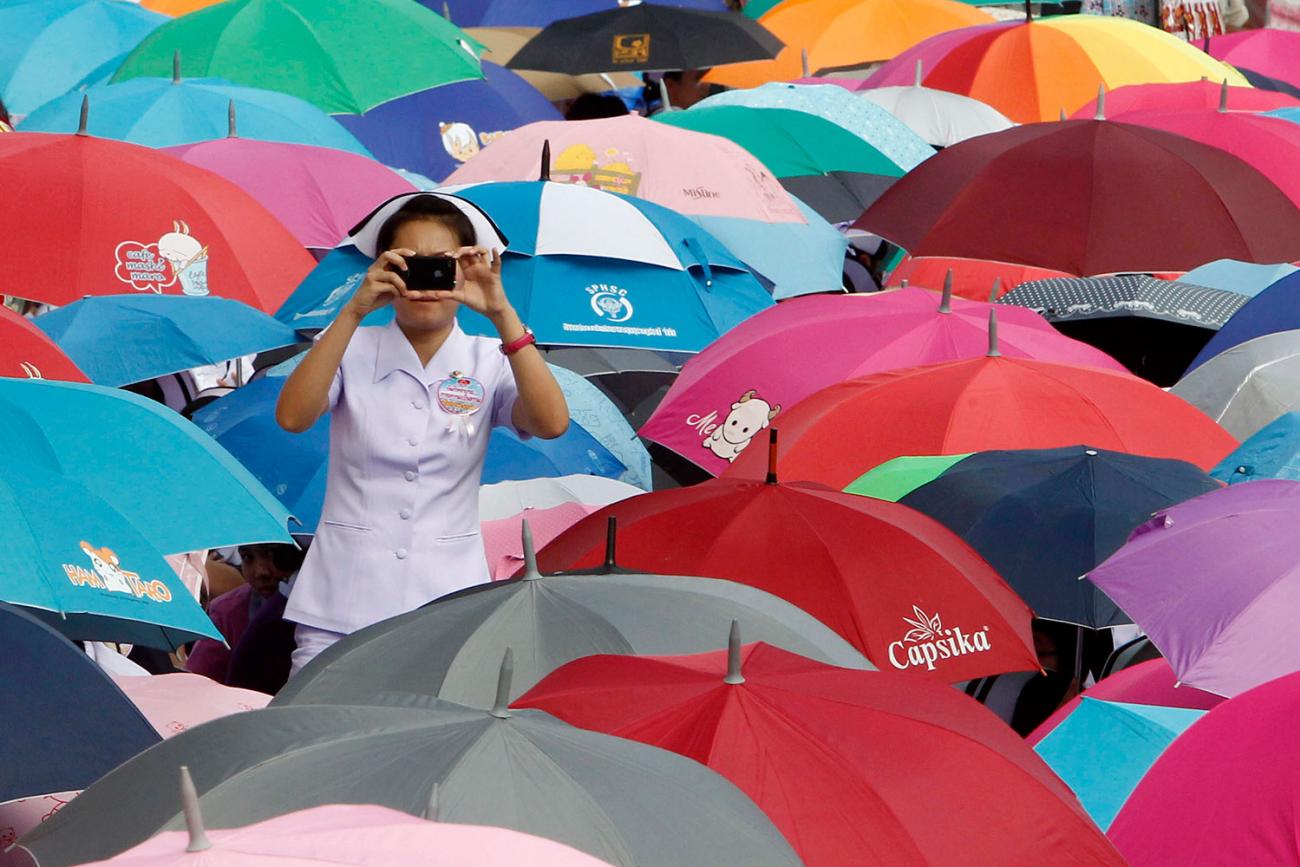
(519,343)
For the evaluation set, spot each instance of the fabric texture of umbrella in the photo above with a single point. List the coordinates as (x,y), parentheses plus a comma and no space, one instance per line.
(837,338)
(1273,452)
(636,380)
(897,478)
(539,13)
(1274,308)
(323,292)
(173,703)
(1103,749)
(177,8)
(643,37)
(434,131)
(524,770)
(1268,51)
(602,419)
(1064,195)
(974,279)
(121,339)
(846,34)
(194,234)
(28,351)
(1043,518)
(1153,327)
(1248,386)
(1212,582)
(349,834)
(332,56)
(50,45)
(51,689)
(163,112)
(1031,71)
(825,165)
(1244,798)
(1185,96)
(501,538)
(1245,278)
(940,118)
(174,484)
(502,43)
(803,740)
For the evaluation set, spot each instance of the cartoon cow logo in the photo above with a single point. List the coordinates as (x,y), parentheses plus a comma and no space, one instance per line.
(459,140)
(748,416)
(108,567)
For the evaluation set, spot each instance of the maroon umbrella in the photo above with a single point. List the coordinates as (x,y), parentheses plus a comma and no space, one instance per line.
(1088,197)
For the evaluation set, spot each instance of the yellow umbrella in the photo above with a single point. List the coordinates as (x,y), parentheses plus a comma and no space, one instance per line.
(177,8)
(503,42)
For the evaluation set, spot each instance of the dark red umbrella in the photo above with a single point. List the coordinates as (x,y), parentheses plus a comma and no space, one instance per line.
(1088,197)
(854,767)
(896,584)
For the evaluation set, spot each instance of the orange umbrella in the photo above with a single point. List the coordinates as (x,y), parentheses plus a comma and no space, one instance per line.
(177,8)
(846,34)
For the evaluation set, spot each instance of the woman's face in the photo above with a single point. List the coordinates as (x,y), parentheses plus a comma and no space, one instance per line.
(427,238)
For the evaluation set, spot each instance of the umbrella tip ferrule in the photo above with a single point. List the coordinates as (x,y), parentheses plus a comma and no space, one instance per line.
(945,302)
(1223,97)
(611,544)
(199,841)
(531,572)
(545,173)
(1101,103)
(920,66)
(995,292)
(85,116)
(501,707)
(232,124)
(431,805)
(771,457)
(994,352)
(176,67)
(803,59)
(734,675)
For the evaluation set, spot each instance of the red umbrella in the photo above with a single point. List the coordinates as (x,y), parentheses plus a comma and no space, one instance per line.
(91,216)
(979,404)
(1184,96)
(1088,197)
(25,350)
(900,587)
(854,767)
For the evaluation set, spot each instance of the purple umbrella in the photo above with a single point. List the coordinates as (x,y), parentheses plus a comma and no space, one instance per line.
(1215,582)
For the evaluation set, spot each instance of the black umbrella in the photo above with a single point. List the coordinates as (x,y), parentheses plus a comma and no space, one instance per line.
(1153,327)
(646,37)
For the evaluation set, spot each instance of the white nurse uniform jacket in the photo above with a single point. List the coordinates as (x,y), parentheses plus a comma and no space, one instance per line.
(400,526)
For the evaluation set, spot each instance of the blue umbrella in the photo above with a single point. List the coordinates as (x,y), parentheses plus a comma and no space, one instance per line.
(1276,308)
(67,552)
(539,13)
(50,45)
(326,288)
(51,690)
(120,339)
(1104,748)
(433,131)
(293,466)
(600,417)
(1272,453)
(180,489)
(1230,275)
(162,112)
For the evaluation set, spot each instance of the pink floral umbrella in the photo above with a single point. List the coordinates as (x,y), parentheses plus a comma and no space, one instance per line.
(175,702)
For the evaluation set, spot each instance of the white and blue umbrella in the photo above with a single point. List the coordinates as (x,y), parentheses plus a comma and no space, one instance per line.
(1244,278)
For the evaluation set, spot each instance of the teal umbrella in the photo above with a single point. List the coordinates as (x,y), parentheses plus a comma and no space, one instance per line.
(75,561)
(175,485)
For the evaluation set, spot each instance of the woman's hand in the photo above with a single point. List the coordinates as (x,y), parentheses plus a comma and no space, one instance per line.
(479,287)
(382,285)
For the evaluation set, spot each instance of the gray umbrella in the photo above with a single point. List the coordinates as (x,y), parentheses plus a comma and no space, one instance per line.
(619,800)
(451,648)
(1249,385)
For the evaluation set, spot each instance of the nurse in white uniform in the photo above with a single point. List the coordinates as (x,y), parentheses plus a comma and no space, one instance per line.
(413,403)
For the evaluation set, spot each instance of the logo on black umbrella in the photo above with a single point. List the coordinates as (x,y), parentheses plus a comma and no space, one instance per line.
(631,48)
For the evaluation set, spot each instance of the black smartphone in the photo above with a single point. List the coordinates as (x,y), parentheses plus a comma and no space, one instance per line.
(430,272)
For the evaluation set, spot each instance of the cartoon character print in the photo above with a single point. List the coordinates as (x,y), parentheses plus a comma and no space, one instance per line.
(108,567)
(748,416)
(578,164)
(188,258)
(459,140)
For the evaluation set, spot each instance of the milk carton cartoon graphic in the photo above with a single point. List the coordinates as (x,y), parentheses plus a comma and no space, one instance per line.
(188,258)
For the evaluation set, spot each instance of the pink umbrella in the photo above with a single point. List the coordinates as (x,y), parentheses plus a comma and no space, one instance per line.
(503,538)
(737,386)
(20,816)
(1275,53)
(175,702)
(693,173)
(318,193)
(1201,95)
(1152,682)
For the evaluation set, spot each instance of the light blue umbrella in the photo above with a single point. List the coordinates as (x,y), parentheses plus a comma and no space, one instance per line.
(600,417)
(48,46)
(1244,278)
(120,339)
(1272,453)
(180,489)
(78,564)
(1104,748)
(162,112)
(866,120)
(326,288)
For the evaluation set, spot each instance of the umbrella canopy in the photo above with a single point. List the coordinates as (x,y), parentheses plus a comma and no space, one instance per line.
(976,279)
(825,165)
(326,289)
(343,59)
(1244,792)
(194,234)
(1273,452)
(51,689)
(636,380)
(1269,51)
(174,484)
(602,418)
(1211,582)
(897,478)
(1063,195)
(981,404)
(25,350)
(177,8)
(590,268)
(1273,309)
(746,375)
(1043,518)
(121,339)
(539,13)
(1204,95)
(501,538)
(847,34)
(1248,386)
(940,118)
(173,703)
(339,834)
(462,118)
(504,43)
(162,112)
(1031,71)
(523,770)
(1103,749)
(50,45)
(1245,278)
(803,740)
(644,36)
(1154,327)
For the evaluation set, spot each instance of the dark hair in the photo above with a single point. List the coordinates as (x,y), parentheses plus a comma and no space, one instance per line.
(4,114)
(590,106)
(430,208)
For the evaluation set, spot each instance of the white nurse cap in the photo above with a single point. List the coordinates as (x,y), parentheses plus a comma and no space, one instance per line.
(365,235)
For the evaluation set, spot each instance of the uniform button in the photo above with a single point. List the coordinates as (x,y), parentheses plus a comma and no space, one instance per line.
(409,475)
(412,441)
(401,553)
(418,404)
(405,514)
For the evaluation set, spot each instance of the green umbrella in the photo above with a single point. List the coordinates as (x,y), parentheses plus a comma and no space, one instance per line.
(895,479)
(834,171)
(345,58)
(759,8)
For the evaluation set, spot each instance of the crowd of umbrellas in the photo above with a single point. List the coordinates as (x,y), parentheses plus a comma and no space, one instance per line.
(931,489)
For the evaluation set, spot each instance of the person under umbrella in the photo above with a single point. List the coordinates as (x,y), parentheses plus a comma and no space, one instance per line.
(413,405)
